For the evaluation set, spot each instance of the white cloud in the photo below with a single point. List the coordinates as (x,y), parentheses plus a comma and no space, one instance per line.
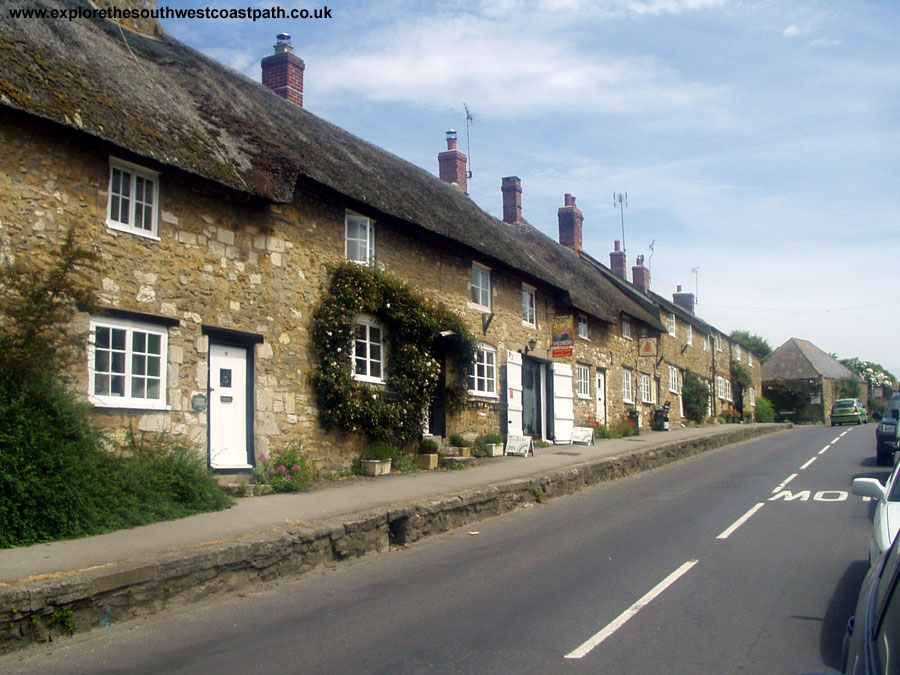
(791,31)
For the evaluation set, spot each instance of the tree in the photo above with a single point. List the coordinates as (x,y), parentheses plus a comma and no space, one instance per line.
(695,396)
(755,343)
(873,373)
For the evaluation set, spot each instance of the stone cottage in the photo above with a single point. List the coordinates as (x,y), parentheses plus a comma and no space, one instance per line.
(220,209)
(803,382)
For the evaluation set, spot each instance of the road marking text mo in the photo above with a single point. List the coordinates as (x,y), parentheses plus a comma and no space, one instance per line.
(804,496)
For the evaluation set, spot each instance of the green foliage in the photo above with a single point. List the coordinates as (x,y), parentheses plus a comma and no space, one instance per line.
(695,395)
(873,373)
(740,376)
(59,477)
(414,326)
(755,343)
(849,387)
(764,410)
(379,450)
(64,617)
(459,441)
(428,447)
(624,427)
(785,396)
(285,469)
(36,307)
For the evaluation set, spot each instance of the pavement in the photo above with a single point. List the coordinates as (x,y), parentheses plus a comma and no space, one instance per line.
(263,536)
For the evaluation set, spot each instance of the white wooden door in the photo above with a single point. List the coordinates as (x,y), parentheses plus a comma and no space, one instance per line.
(513,393)
(563,403)
(601,396)
(228,407)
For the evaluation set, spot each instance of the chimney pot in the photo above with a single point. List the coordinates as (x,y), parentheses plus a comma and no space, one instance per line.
(511,187)
(640,275)
(452,164)
(282,72)
(617,261)
(571,221)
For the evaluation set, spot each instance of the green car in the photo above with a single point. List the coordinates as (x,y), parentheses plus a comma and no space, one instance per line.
(847,410)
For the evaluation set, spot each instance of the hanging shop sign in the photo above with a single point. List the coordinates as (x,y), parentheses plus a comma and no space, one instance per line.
(563,335)
(648,346)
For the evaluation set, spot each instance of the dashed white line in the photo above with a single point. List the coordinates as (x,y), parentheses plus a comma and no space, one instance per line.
(623,618)
(822,451)
(808,463)
(785,482)
(740,521)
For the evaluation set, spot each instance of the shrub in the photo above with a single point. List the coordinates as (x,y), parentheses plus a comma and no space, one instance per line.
(380,450)
(286,469)
(695,396)
(428,447)
(459,441)
(624,427)
(765,412)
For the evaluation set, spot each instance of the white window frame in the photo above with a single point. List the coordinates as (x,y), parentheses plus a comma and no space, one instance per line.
(689,339)
(673,379)
(752,397)
(646,393)
(627,386)
(706,342)
(529,306)
(672,325)
(750,359)
(583,377)
(485,383)
(626,328)
(718,342)
(728,393)
(366,243)
(126,371)
(720,387)
(583,328)
(368,322)
(114,199)
(480,291)
(737,352)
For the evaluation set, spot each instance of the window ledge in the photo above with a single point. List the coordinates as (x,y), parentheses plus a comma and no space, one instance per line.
(584,397)
(118,227)
(484,395)
(478,308)
(127,404)
(368,379)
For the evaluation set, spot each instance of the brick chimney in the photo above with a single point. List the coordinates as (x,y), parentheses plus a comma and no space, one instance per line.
(685,300)
(570,224)
(617,261)
(640,275)
(452,164)
(282,72)
(511,187)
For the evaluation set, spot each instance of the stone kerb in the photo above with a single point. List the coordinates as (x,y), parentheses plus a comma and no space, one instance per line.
(33,610)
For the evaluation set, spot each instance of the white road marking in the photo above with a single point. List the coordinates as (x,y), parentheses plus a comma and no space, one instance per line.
(740,521)
(623,618)
(822,451)
(786,481)
(808,463)
(846,431)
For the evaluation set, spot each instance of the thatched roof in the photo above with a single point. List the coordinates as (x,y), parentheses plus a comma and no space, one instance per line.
(800,359)
(161,100)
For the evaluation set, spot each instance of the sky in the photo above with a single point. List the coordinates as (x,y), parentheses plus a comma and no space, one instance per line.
(758,141)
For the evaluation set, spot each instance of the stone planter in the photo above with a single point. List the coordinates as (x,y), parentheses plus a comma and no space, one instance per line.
(427,461)
(494,449)
(376,467)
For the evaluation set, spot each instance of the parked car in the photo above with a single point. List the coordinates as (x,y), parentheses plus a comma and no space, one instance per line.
(887,433)
(887,509)
(849,410)
(872,642)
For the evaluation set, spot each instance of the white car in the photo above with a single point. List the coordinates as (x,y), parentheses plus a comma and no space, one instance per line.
(887,509)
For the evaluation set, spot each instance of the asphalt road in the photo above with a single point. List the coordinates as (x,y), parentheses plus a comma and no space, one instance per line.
(744,560)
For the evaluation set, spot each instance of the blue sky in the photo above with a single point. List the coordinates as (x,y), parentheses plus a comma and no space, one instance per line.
(757,140)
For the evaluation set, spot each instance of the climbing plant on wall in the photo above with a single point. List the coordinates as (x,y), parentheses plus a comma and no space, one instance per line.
(413,326)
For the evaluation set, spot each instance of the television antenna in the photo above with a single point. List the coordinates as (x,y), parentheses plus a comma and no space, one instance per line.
(696,272)
(650,259)
(620,201)
(469,119)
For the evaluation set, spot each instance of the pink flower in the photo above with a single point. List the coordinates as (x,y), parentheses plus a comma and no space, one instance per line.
(262,457)
(282,469)
(288,477)
(296,468)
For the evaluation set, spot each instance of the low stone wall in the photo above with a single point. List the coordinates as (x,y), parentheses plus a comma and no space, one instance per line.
(44,608)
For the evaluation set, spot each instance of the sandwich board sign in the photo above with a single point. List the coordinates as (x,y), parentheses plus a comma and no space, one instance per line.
(583,435)
(519,445)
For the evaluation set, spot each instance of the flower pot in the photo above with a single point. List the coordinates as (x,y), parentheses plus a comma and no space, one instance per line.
(427,461)
(376,467)
(494,449)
